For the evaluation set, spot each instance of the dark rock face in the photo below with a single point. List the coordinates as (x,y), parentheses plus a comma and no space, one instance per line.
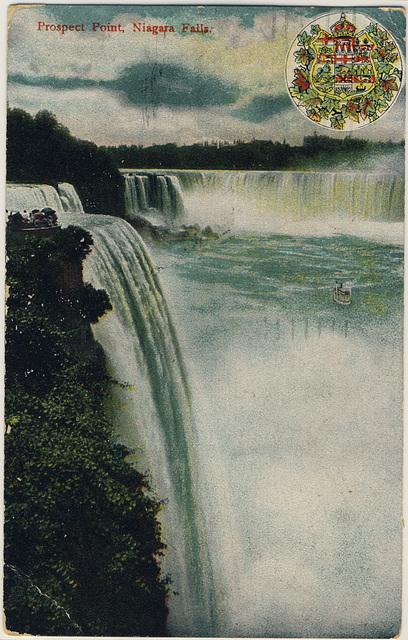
(70,279)
(166,234)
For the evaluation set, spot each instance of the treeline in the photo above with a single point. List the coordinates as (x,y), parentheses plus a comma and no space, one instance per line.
(40,150)
(82,543)
(316,151)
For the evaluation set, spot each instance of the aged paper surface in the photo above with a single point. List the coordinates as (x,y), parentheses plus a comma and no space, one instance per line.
(238,173)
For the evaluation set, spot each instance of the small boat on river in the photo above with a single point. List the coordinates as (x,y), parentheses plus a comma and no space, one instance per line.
(342,293)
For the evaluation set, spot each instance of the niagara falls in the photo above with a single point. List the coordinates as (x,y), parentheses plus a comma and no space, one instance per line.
(254,402)
(204,321)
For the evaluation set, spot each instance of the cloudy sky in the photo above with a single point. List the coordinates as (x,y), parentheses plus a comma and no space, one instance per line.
(135,87)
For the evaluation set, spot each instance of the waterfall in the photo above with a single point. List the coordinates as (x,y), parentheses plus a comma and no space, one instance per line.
(163,200)
(155,417)
(136,194)
(176,195)
(153,414)
(266,573)
(70,198)
(152,194)
(26,197)
(292,202)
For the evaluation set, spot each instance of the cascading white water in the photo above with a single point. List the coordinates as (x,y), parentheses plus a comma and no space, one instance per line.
(152,194)
(176,195)
(136,194)
(70,197)
(162,194)
(155,418)
(306,418)
(292,202)
(26,197)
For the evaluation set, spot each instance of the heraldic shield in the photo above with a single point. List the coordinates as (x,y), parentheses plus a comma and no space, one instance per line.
(344,65)
(344,74)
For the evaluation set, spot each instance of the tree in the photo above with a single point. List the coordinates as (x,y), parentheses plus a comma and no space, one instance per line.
(41,150)
(82,540)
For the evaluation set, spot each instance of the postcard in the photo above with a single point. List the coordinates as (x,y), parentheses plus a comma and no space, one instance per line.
(204,325)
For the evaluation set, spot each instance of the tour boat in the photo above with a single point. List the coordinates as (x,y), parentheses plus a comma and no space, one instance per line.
(342,293)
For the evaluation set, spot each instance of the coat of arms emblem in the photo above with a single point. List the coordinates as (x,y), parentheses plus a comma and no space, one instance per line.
(344,75)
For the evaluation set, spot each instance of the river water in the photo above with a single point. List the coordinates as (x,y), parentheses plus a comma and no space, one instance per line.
(268,417)
(298,406)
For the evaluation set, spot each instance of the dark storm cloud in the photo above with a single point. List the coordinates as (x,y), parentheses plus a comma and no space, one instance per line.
(154,84)
(263,107)
(171,86)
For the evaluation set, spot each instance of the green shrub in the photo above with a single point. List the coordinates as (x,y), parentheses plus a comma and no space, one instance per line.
(82,541)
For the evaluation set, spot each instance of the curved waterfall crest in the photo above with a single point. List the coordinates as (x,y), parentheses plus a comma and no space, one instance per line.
(224,573)
(265,200)
(26,197)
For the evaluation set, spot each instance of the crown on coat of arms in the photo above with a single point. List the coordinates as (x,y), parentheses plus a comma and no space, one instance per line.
(343,27)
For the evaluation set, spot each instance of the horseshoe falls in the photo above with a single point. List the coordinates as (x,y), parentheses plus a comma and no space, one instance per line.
(294,202)
(268,416)
(297,400)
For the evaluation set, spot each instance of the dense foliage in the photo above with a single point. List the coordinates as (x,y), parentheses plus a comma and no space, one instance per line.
(316,151)
(40,150)
(82,541)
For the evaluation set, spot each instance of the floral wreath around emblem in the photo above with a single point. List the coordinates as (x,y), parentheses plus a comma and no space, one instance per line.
(345,77)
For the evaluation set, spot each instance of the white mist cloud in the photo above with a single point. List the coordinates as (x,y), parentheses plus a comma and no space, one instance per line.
(314,471)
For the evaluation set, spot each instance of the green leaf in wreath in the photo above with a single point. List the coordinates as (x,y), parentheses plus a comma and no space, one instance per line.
(312,102)
(304,39)
(384,67)
(324,114)
(303,56)
(376,93)
(295,92)
(329,103)
(382,105)
(338,122)
(308,94)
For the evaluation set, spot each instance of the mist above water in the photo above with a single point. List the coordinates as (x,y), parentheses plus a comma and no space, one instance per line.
(269,418)
(280,202)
